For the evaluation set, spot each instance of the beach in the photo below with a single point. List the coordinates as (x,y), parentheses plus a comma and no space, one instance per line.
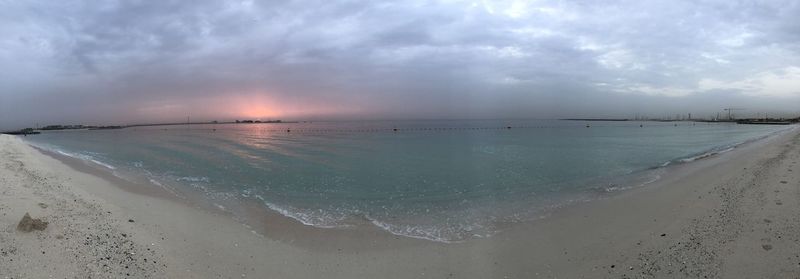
(731,215)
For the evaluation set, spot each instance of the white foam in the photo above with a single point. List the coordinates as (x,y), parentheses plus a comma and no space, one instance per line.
(446,233)
(432,234)
(155,182)
(708,154)
(103,164)
(87,158)
(194,179)
(318,219)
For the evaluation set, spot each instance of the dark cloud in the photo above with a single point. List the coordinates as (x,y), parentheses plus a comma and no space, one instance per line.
(129,61)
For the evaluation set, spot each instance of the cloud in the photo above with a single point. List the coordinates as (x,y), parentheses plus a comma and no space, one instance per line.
(127,61)
(779,83)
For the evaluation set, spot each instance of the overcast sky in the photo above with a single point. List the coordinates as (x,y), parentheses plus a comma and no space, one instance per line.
(99,62)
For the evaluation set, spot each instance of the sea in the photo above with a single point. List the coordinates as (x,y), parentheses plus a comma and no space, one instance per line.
(440,180)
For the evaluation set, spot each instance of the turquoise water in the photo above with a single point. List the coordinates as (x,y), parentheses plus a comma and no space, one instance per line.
(437,180)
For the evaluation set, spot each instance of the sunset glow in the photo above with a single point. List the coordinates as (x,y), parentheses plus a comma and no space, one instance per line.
(263,106)
(257,110)
(253,105)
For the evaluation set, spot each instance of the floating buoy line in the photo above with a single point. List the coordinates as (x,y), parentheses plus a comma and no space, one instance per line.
(296,130)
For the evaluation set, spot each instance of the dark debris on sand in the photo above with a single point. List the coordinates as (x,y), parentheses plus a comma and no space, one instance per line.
(28,224)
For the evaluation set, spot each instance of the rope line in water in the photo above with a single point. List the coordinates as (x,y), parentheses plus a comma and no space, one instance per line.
(290,130)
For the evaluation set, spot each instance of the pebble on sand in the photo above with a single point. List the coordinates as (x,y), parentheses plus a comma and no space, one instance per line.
(28,224)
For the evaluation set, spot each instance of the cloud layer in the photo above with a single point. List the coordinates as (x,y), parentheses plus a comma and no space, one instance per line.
(134,61)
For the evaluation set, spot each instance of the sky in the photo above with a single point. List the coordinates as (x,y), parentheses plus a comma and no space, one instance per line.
(123,62)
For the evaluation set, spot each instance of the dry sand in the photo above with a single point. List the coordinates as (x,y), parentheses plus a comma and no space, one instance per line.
(736,215)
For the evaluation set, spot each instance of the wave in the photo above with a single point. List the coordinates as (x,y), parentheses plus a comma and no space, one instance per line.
(446,233)
(86,158)
(328,219)
(83,156)
(654,174)
(703,155)
(316,218)
(722,149)
(194,179)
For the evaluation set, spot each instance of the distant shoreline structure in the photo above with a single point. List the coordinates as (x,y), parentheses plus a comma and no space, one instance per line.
(746,121)
(32,131)
(596,119)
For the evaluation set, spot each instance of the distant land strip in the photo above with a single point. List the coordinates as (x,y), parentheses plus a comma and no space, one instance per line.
(596,119)
(32,131)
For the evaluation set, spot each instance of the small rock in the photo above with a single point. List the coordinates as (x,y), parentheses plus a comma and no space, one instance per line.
(663,234)
(42,205)
(130,220)
(767,247)
(28,224)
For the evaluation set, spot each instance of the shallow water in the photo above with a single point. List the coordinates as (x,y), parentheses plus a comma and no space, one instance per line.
(438,180)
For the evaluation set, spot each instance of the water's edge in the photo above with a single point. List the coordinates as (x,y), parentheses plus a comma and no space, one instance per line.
(604,188)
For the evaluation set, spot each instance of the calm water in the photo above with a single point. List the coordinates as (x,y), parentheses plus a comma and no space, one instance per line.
(438,180)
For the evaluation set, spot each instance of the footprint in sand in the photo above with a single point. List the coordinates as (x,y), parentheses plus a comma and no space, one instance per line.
(767,221)
(784,182)
(778,202)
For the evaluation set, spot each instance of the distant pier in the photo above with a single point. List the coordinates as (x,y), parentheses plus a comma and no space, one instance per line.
(596,119)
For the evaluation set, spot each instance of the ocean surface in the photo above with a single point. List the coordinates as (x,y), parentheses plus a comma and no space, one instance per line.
(438,180)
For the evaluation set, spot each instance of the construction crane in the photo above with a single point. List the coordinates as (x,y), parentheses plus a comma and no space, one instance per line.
(730,117)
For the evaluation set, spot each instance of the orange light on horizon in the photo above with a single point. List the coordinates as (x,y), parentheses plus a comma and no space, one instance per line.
(253,106)
(261,106)
(256,111)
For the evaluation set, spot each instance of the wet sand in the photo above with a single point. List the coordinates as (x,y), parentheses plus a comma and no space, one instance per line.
(734,215)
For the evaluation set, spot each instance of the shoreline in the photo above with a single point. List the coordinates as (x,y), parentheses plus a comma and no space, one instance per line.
(260,219)
(704,210)
(254,214)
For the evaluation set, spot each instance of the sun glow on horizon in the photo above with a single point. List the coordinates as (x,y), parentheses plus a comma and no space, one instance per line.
(256,106)
(260,106)
(229,106)
(256,110)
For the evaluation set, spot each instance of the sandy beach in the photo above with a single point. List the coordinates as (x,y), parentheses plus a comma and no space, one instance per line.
(734,215)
